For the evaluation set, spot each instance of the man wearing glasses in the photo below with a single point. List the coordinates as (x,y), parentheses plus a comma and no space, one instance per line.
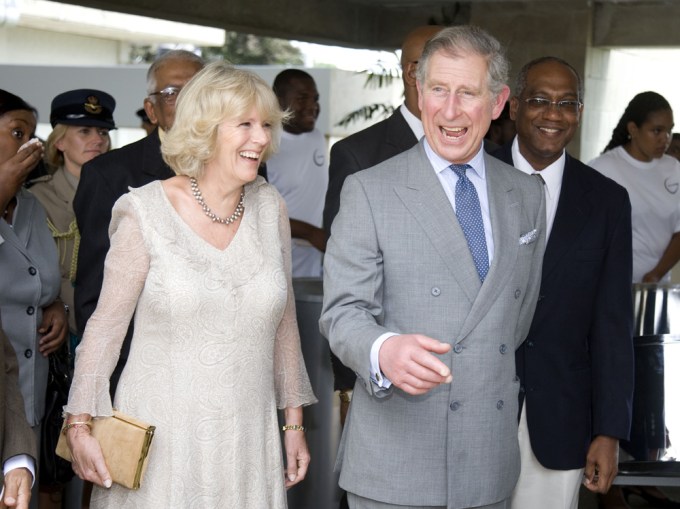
(107,177)
(576,365)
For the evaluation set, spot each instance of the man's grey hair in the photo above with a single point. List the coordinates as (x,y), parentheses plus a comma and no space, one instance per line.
(521,80)
(170,56)
(457,41)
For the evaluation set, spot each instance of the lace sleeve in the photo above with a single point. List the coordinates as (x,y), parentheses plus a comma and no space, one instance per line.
(125,271)
(292,382)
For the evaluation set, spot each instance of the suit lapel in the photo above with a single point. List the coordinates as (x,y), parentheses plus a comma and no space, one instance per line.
(424,197)
(426,200)
(570,219)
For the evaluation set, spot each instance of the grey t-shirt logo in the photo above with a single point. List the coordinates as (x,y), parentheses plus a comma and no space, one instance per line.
(671,187)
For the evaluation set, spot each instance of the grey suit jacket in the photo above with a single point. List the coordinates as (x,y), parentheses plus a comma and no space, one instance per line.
(362,150)
(398,262)
(16,436)
(29,281)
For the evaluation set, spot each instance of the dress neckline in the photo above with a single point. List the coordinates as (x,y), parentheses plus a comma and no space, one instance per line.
(187,228)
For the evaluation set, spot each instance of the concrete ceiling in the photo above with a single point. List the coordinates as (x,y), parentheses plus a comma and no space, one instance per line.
(373,24)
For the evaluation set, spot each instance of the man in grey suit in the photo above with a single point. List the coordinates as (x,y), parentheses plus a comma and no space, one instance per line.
(431,279)
(371,146)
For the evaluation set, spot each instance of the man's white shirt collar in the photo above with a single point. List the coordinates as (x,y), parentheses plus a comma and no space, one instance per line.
(413,122)
(552,178)
(440,164)
(551,174)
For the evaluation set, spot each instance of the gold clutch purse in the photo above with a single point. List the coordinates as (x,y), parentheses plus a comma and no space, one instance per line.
(125,443)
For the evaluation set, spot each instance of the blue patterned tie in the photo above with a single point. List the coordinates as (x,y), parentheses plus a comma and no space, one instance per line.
(469,215)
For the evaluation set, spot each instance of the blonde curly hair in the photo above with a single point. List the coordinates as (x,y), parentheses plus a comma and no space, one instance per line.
(217,93)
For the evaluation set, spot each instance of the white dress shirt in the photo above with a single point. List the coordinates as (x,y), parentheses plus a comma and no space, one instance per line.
(413,122)
(552,177)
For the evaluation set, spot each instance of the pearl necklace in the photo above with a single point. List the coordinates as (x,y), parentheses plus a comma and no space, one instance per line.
(215,218)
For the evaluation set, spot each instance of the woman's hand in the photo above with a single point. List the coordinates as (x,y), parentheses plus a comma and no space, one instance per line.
(87,458)
(54,328)
(13,171)
(297,453)
(297,456)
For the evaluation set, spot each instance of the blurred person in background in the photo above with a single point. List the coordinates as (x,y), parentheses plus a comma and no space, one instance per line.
(81,120)
(636,158)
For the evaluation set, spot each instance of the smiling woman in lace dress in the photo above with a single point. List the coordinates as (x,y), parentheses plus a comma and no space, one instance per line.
(203,261)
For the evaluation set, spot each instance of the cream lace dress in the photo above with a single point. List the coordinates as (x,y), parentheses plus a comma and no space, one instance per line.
(215,351)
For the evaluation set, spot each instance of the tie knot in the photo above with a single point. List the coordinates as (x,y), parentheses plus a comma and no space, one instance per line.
(459,169)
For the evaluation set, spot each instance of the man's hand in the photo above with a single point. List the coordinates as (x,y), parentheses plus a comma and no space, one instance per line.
(305,231)
(17,489)
(408,362)
(602,464)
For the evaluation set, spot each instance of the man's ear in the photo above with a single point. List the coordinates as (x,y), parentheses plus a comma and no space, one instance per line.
(410,73)
(499,102)
(420,95)
(148,107)
(514,105)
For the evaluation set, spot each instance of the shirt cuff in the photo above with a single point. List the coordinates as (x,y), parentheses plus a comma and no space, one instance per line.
(376,375)
(18,461)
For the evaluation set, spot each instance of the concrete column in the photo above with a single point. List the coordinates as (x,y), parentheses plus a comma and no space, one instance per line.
(533,29)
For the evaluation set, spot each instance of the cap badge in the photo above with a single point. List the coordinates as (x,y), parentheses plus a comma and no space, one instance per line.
(92,105)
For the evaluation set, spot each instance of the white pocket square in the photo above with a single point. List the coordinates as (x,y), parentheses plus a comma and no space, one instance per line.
(528,237)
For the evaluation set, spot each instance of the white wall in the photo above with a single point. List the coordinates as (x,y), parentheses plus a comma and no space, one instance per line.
(340,92)
(20,45)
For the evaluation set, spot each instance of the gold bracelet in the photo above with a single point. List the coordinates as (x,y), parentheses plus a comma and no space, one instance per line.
(76,424)
(292,427)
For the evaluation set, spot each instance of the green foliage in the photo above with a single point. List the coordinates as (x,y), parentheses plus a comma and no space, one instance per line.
(366,113)
(248,49)
(382,76)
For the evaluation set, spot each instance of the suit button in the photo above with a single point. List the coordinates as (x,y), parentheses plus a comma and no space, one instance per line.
(30,310)
(522,390)
(32,271)
(530,344)
(454,405)
(436,291)
(541,297)
(503,349)
(28,353)
(457,348)
(517,293)
(500,404)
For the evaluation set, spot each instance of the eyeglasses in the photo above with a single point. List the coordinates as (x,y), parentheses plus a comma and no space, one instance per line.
(541,104)
(168,94)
